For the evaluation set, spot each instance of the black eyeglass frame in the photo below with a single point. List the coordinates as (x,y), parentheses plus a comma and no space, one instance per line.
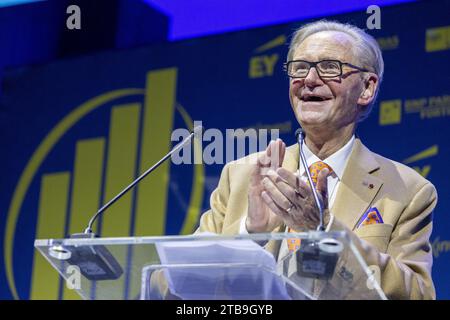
(314,64)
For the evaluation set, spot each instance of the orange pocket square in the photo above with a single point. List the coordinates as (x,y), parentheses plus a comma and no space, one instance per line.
(372,216)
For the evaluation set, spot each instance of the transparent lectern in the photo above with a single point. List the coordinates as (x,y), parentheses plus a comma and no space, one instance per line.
(326,265)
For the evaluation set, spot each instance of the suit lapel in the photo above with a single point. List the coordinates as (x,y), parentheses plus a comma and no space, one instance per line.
(358,186)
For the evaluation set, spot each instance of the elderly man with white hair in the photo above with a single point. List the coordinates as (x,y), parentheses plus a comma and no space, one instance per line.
(335,72)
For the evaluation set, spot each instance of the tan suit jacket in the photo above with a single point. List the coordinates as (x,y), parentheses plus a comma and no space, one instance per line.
(400,246)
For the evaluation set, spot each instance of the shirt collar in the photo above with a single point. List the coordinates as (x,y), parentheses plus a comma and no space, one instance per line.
(336,161)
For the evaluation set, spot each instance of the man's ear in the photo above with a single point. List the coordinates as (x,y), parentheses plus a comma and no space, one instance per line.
(369,89)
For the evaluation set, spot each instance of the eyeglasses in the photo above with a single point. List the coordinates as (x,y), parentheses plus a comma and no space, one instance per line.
(325,68)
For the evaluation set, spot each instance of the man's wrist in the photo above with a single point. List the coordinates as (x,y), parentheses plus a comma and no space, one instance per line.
(243,230)
(251,229)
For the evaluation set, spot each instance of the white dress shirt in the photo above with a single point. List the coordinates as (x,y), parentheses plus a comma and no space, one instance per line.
(337,162)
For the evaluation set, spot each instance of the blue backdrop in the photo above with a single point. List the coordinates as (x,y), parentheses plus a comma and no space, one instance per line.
(68,127)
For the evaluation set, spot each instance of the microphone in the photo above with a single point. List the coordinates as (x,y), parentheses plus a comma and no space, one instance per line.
(196,131)
(316,258)
(299,134)
(96,262)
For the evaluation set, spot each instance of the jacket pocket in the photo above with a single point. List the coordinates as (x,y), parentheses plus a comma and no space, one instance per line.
(376,234)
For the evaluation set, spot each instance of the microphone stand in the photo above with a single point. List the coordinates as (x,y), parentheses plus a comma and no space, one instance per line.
(300,139)
(88,230)
(96,262)
(316,258)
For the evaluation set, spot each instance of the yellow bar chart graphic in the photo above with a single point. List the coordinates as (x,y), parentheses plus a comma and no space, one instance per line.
(121,169)
(138,135)
(157,122)
(52,206)
(86,188)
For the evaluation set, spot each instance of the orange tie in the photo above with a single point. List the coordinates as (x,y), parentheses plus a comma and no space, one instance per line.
(314,169)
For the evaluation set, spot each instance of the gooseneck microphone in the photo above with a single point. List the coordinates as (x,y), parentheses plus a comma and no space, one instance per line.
(299,134)
(197,130)
(96,262)
(317,257)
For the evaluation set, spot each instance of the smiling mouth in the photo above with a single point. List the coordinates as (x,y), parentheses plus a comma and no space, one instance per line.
(313,99)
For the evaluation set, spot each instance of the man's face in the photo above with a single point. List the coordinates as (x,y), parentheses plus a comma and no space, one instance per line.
(326,103)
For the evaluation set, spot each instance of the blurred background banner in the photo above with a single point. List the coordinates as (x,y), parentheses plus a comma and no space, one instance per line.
(75,131)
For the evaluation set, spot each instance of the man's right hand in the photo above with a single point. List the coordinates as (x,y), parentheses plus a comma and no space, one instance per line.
(260,218)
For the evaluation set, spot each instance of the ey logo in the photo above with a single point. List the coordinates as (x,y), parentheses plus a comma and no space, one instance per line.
(263,65)
(425,154)
(72,179)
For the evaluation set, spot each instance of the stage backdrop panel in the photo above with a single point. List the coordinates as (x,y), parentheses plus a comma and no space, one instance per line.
(74,132)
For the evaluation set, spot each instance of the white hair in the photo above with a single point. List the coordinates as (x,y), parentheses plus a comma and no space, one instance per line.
(365,49)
